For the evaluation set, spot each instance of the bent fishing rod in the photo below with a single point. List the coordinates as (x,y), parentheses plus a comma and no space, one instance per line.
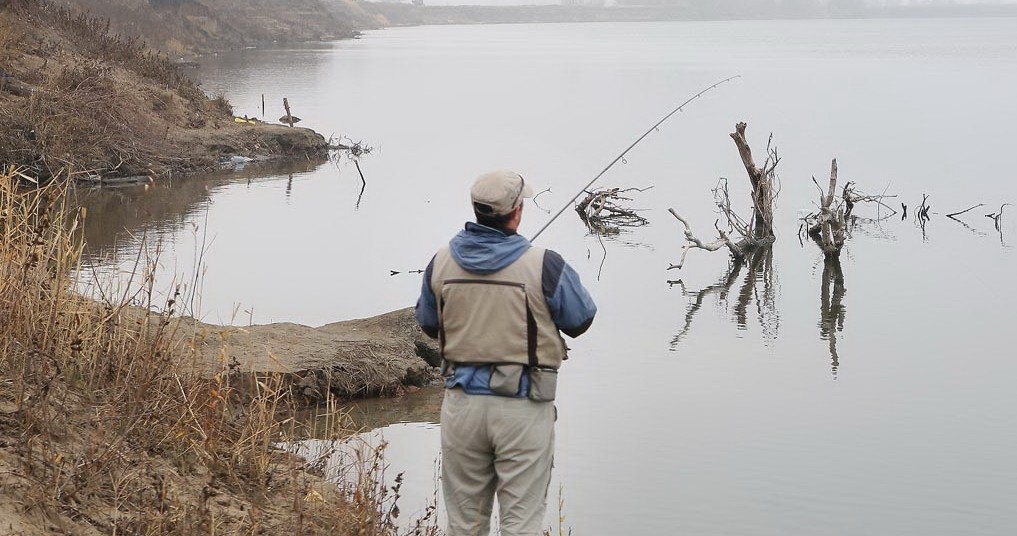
(623,153)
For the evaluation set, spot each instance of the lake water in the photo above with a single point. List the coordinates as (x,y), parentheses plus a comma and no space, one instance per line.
(758,403)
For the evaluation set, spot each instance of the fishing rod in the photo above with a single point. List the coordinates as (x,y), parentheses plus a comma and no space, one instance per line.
(623,153)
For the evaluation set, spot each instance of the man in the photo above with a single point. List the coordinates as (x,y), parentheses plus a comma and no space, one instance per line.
(497,305)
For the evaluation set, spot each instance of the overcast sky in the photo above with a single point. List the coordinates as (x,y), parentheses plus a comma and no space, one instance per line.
(609,2)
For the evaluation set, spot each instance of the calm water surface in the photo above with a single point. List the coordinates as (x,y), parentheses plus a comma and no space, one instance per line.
(755,403)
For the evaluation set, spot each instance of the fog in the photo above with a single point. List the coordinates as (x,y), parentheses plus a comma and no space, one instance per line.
(733,6)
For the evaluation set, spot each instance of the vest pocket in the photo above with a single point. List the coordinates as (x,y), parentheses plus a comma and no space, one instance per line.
(505,379)
(543,384)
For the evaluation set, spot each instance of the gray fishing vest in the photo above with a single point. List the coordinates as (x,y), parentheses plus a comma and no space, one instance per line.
(495,318)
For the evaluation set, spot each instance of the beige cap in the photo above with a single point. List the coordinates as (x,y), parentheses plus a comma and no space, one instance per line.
(499,192)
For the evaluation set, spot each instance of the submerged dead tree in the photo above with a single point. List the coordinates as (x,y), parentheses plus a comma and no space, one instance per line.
(756,231)
(829,227)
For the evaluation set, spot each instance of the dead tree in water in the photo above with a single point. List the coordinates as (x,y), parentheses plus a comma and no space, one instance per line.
(829,228)
(758,230)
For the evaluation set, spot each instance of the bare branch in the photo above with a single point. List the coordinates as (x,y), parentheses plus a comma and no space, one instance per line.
(965,210)
(695,243)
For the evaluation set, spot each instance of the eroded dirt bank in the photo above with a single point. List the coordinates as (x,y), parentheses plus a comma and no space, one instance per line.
(378,356)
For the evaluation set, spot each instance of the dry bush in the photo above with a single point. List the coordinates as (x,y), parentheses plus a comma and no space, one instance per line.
(93,36)
(105,425)
(79,121)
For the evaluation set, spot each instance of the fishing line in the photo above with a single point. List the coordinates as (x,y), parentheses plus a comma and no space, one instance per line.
(621,157)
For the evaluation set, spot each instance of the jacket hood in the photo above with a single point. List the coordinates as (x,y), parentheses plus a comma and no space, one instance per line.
(483,250)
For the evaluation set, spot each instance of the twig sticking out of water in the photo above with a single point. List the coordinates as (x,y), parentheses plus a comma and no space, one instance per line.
(996,216)
(923,210)
(546,190)
(953,215)
(922,214)
(363,182)
(355,148)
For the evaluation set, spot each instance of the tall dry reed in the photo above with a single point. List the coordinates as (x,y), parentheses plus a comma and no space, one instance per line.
(110,428)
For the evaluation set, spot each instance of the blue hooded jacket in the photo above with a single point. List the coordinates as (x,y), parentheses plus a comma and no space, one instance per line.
(483,250)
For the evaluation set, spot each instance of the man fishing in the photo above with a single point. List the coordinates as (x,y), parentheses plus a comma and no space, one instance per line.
(497,304)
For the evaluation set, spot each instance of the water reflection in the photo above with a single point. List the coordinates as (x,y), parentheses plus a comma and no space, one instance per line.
(163,207)
(831,308)
(759,286)
(976,232)
(871,227)
(421,406)
(404,429)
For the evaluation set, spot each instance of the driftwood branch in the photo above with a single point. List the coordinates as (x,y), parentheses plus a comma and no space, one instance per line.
(602,211)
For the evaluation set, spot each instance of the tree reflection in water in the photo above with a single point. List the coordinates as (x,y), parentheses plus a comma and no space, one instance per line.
(758,287)
(831,308)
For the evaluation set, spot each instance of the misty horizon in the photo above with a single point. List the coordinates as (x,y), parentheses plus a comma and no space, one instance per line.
(728,6)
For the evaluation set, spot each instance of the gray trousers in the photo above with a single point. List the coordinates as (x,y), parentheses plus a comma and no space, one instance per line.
(495,445)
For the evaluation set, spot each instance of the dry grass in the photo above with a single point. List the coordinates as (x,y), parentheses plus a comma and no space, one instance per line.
(92,36)
(104,429)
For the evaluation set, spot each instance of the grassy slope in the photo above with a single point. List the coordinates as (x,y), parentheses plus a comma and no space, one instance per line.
(76,97)
(104,426)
